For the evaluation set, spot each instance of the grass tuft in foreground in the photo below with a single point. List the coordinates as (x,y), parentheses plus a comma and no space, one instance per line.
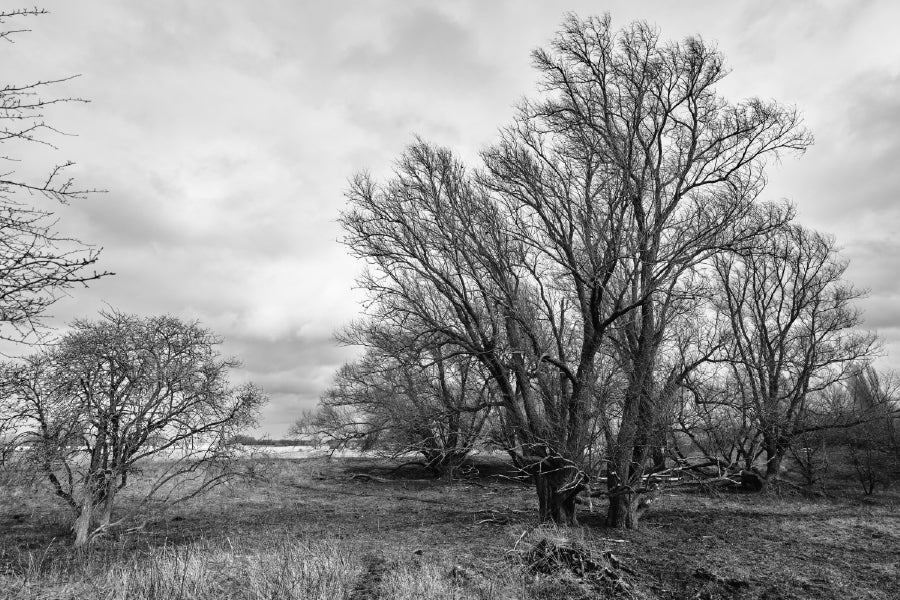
(201,570)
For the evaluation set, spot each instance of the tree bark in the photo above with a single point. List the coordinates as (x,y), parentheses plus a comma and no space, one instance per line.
(658,455)
(106,514)
(773,468)
(82,526)
(622,512)
(556,498)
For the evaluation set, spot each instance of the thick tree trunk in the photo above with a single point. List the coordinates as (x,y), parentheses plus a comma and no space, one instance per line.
(658,455)
(556,502)
(641,434)
(622,512)
(750,481)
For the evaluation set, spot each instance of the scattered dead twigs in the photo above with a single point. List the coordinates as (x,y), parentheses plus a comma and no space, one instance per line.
(603,572)
(681,476)
(498,517)
(521,479)
(493,521)
(519,541)
(711,482)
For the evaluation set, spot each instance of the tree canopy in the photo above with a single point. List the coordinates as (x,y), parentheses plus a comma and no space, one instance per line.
(559,263)
(113,395)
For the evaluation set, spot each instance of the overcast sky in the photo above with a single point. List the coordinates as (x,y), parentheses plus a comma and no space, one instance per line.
(225,132)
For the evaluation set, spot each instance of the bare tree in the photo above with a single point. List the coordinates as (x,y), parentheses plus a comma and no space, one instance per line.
(591,210)
(873,444)
(691,338)
(305,428)
(715,423)
(446,265)
(405,396)
(37,263)
(121,396)
(794,333)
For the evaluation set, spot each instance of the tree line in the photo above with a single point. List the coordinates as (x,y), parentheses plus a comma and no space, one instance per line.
(607,293)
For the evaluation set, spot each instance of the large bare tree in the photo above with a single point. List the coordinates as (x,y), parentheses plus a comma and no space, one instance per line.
(627,172)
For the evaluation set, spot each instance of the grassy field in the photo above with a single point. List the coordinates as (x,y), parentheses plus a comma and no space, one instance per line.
(318,528)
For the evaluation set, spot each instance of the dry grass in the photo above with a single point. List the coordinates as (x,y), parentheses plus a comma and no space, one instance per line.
(202,570)
(307,529)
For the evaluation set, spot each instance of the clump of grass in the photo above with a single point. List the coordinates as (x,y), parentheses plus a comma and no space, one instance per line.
(282,570)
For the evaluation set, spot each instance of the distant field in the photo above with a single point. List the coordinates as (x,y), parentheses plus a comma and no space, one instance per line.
(299,452)
(346,528)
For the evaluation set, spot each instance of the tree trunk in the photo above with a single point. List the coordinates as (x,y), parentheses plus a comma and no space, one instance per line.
(622,512)
(106,514)
(773,467)
(555,506)
(82,526)
(658,455)
(751,481)
(443,462)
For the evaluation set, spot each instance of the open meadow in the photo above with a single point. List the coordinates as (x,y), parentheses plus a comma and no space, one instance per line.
(350,528)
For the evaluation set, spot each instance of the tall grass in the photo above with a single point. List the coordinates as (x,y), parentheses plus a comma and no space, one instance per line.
(281,570)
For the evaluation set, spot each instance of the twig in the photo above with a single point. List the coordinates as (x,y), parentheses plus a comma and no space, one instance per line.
(521,537)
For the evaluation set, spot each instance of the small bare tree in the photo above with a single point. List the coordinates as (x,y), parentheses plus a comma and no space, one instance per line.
(794,334)
(121,396)
(37,263)
(874,444)
(305,429)
(407,396)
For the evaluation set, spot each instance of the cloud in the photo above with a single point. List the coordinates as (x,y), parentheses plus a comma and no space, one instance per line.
(294,371)
(419,45)
(225,133)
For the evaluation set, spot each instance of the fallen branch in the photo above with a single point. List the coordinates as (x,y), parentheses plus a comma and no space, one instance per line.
(367,477)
